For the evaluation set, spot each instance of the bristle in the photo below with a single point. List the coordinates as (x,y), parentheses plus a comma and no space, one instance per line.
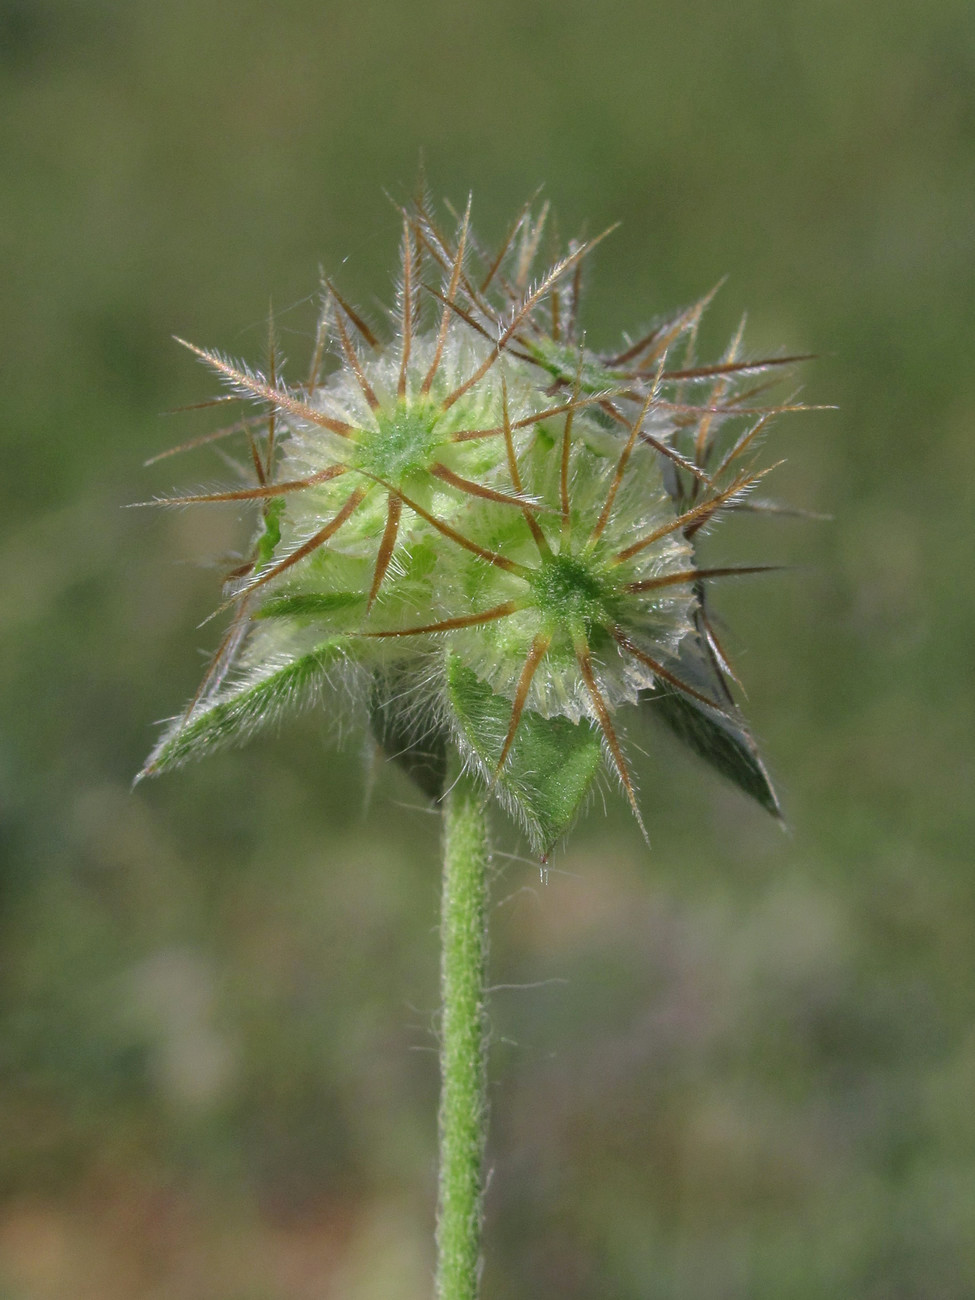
(664,673)
(702,441)
(407,310)
(696,515)
(450,624)
(690,576)
(255,386)
(394,508)
(506,243)
(451,290)
(625,454)
(564,503)
(529,248)
(475,489)
(533,525)
(240,426)
(263,493)
(354,317)
(539,648)
(606,726)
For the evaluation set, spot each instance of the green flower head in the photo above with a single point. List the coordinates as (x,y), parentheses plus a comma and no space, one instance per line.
(489,529)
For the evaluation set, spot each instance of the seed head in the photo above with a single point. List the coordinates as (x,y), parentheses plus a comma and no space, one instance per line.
(490,528)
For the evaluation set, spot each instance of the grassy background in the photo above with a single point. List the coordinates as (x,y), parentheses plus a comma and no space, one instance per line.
(748,1068)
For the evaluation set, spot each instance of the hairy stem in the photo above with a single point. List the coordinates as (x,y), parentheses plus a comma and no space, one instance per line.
(463,1099)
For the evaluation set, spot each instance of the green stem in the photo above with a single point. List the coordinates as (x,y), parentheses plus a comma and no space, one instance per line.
(463,1094)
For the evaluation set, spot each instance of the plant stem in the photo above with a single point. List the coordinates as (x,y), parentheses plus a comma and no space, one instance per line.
(463,1089)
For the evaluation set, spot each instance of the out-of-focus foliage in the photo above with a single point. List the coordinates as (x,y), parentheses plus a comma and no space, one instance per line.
(218,991)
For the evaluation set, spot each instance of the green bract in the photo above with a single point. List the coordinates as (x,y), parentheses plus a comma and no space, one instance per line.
(490,530)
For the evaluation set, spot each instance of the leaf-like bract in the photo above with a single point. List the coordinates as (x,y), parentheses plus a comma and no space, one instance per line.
(719,736)
(246,706)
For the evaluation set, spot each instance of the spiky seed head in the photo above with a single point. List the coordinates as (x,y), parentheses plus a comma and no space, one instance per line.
(490,526)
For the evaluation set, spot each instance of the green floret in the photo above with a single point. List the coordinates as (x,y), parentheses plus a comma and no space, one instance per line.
(401,446)
(571,595)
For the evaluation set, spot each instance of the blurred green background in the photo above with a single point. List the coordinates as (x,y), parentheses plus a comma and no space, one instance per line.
(748,1067)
